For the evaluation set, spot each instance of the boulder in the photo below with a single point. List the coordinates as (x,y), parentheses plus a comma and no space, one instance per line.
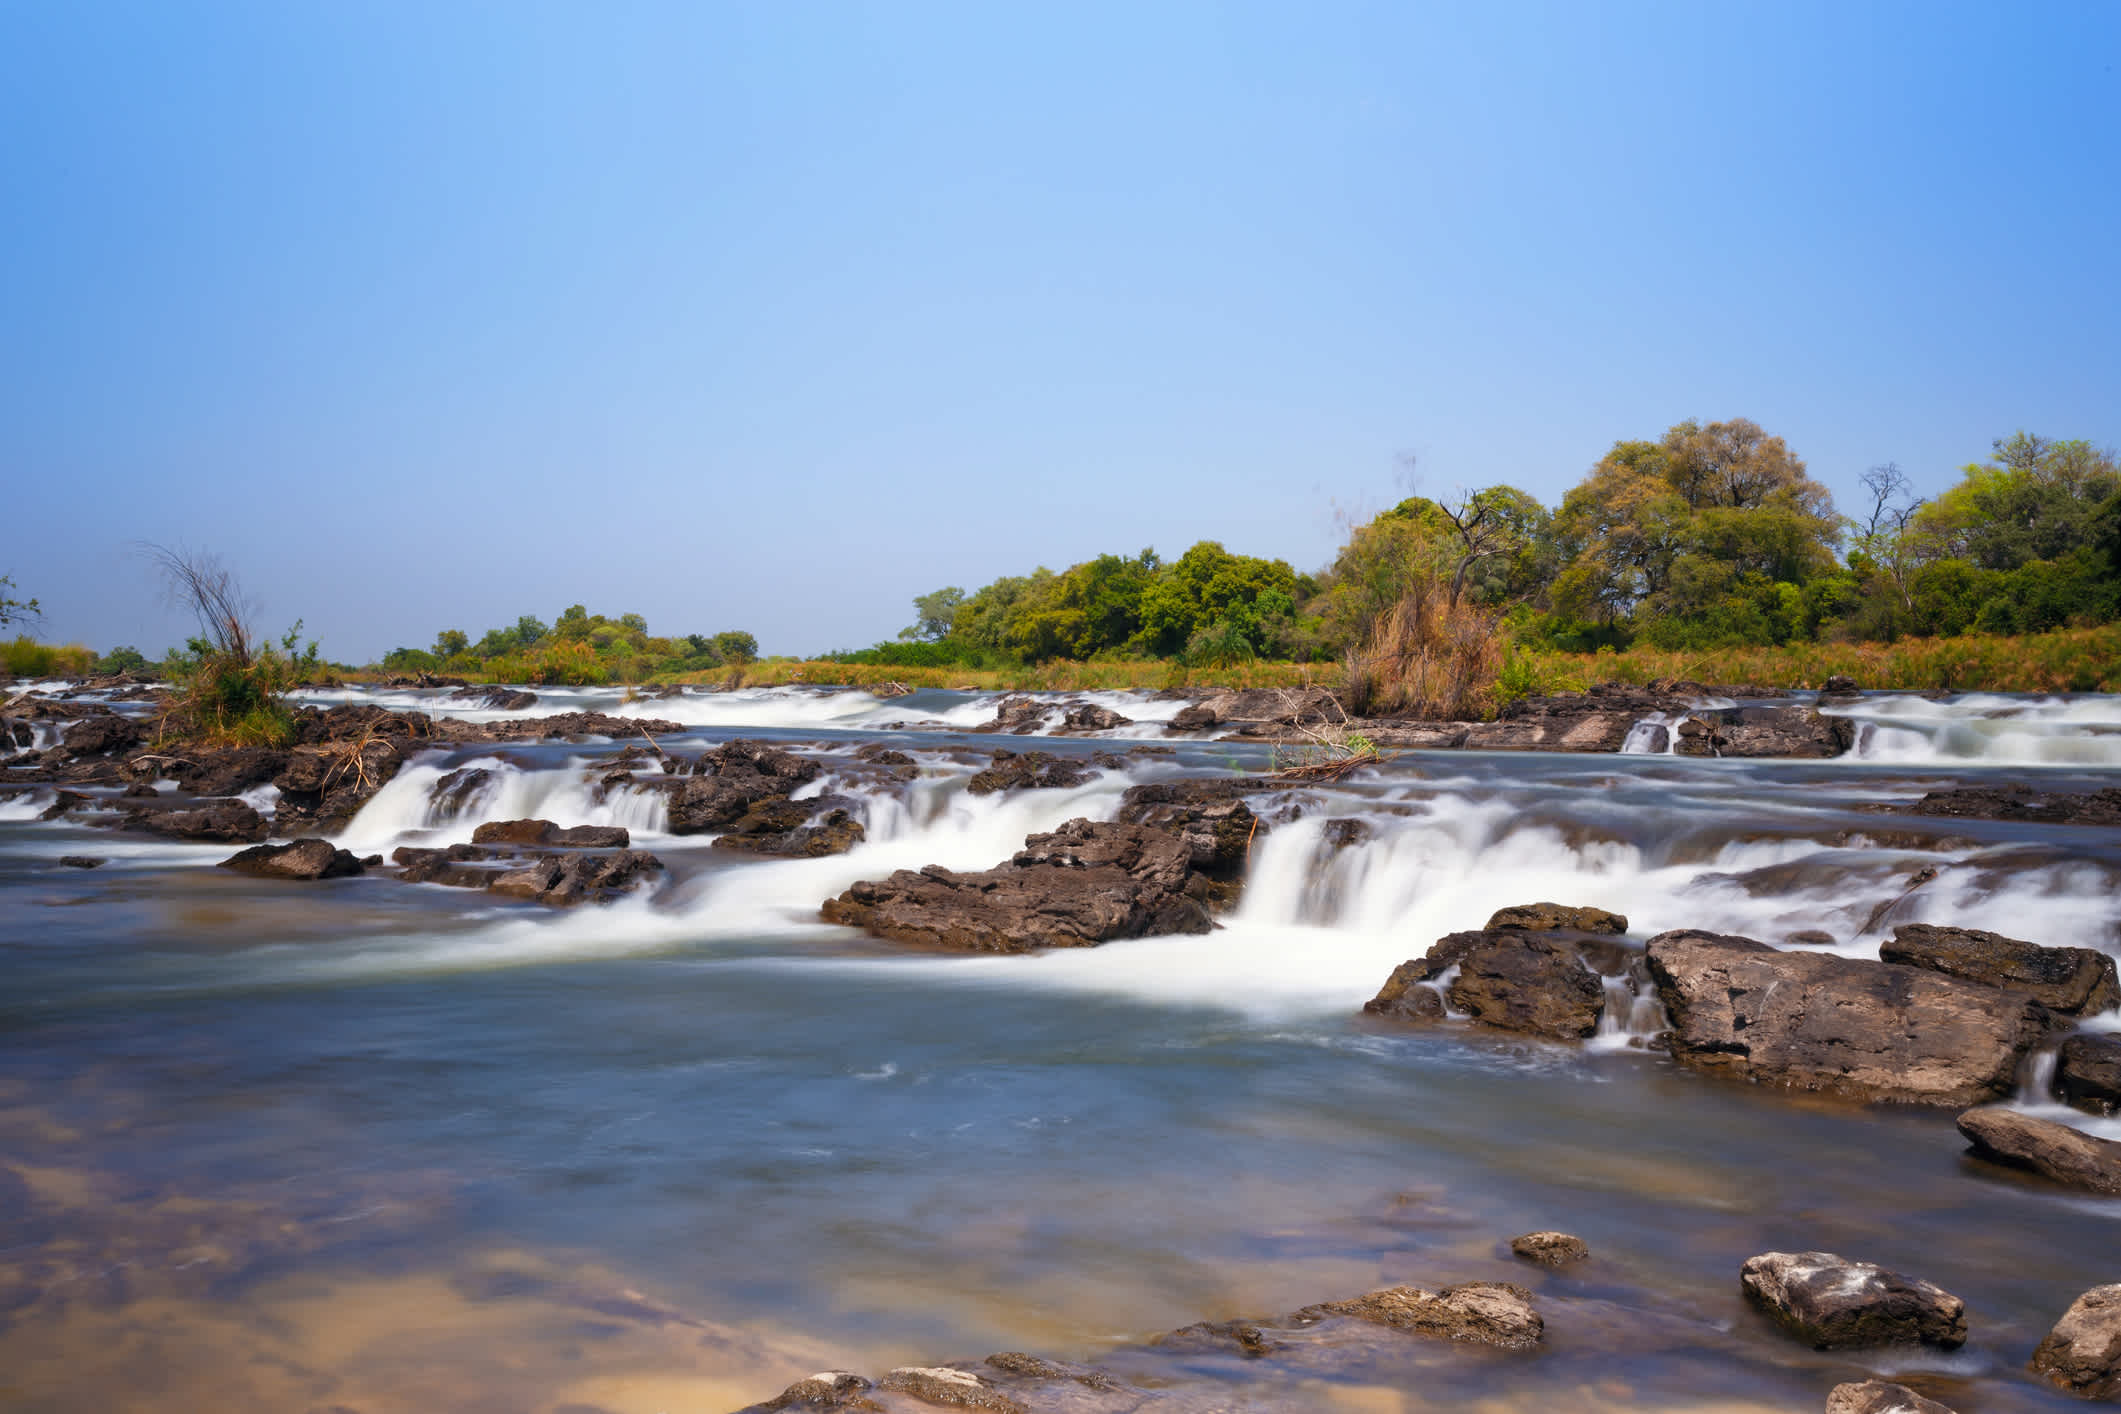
(1547,917)
(1199,717)
(1210,815)
(2054,1151)
(2101,807)
(1832,1303)
(304,859)
(1018,715)
(1081,885)
(574,724)
(2082,1353)
(1783,732)
(2073,981)
(458,791)
(1552,1249)
(795,829)
(495,698)
(80,861)
(1089,717)
(1489,1313)
(231,772)
(949,1388)
(724,783)
(217,822)
(1031,770)
(1880,1397)
(2088,1072)
(455,866)
(1511,980)
(1861,1030)
(98,736)
(562,879)
(545,832)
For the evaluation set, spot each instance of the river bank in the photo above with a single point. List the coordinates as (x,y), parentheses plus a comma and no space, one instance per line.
(383,1144)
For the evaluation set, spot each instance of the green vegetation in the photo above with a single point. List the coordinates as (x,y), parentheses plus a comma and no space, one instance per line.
(579,649)
(13,610)
(25,657)
(231,686)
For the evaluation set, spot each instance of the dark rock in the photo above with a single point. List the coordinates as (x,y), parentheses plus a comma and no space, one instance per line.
(1020,716)
(2054,1151)
(562,879)
(1832,1303)
(324,786)
(2082,1353)
(1211,816)
(496,698)
(304,859)
(1885,910)
(571,724)
(1784,732)
(64,803)
(1089,717)
(219,822)
(98,736)
(1553,1249)
(1840,685)
(879,754)
(834,1389)
(2073,981)
(1543,917)
(1880,1397)
(1511,980)
(2102,807)
(726,782)
(2088,1072)
(459,790)
(1244,1337)
(230,772)
(545,832)
(1345,833)
(80,861)
(1861,1030)
(1489,1313)
(796,829)
(1032,770)
(948,1387)
(1081,885)
(1199,717)
(140,790)
(454,866)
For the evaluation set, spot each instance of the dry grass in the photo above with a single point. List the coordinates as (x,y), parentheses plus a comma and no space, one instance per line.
(1428,657)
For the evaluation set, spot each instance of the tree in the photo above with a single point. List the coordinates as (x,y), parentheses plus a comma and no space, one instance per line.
(2035,499)
(449,643)
(736,646)
(13,610)
(933,615)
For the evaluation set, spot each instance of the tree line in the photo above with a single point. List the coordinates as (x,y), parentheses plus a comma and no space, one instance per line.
(578,648)
(1710,536)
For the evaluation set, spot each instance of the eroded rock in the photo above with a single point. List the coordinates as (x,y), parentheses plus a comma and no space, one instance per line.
(1880,1397)
(1030,770)
(1490,1313)
(1833,1303)
(2082,1353)
(1552,1249)
(1511,980)
(726,782)
(545,832)
(2073,981)
(1548,917)
(2054,1151)
(218,822)
(2088,1072)
(303,859)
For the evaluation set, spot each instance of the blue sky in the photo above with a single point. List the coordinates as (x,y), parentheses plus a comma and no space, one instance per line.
(773,316)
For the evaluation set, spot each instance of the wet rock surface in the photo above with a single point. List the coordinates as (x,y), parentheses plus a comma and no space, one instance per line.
(2082,1354)
(1505,978)
(1833,1303)
(1548,917)
(1489,1313)
(796,829)
(1880,1397)
(1083,884)
(2056,1152)
(1030,770)
(303,859)
(496,698)
(1550,1249)
(556,880)
(2101,807)
(722,784)
(545,832)
(2088,1072)
(218,822)
(1861,1030)
(1214,819)
(2073,981)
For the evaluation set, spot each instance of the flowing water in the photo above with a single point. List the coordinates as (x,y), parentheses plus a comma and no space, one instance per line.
(370,1146)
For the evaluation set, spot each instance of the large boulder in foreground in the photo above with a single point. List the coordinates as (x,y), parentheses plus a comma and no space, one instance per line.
(1083,884)
(1880,1397)
(1832,1303)
(304,859)
(2088,1072)
(1861,1030)
(2073,981)
(2082,1353)
(2054,1151)
(1508,979)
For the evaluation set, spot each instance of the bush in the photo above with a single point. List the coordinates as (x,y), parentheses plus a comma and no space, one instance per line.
(25,657)
(1428,657)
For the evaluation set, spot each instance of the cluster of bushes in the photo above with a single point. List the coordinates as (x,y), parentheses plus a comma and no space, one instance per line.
(579,649)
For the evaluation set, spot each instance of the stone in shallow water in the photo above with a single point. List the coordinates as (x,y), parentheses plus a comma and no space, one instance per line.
(303,859)
(2082,1353)
(951,1388)
(1834,1303)
(1490,1313)
(2087,1072)
(2055,1151)
(2073,981)
(1554,1249)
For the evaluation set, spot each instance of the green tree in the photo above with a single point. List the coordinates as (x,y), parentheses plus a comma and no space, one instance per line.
(449,643)
(13,610)
(933,615)
(736,646)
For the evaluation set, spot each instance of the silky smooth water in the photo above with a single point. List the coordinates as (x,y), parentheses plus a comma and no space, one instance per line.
(373,1146)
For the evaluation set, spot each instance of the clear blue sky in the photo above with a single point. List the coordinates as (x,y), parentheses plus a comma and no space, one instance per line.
(773,316)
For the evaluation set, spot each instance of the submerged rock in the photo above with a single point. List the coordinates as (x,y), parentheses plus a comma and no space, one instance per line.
(795,829)
(220,822)
(1553,1249)
(1491,1313)
(948,1387)
(2054,1151)
(496,698)
(1880,1397)
(2082,1353)
(304,859)
(81,861)
(1547,917)
(1083,884)
(2073,981)
(833,1389)
(2088,1072)
(1862,1030)
(2101,807)
(1833,1303)
(561,879)
(1511,980)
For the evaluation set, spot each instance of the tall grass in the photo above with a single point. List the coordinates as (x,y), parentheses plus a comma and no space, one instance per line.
(25,657)
(1428,655)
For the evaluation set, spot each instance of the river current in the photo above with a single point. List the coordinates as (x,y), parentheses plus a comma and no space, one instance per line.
(363,1145)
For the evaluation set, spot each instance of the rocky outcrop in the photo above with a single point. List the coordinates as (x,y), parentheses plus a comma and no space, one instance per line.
(1212,816)
(495,698)
(1511,980)
(101,735)
(1791,732)
(1861,1030)
(2102,807)
(1551,917)
(545,832)
(2082,1354)
(1880,1397)
(1090,717)
(2088,1072)
(2056,1152)
(559,880)
(795,829)
(724,783)
(1832,1303)
(1487,1313)
(216,822)
(460,866)
(1199,717)
(2072,981)
(1030,770)
(304,859)
(1083,884)
(1550,1249)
